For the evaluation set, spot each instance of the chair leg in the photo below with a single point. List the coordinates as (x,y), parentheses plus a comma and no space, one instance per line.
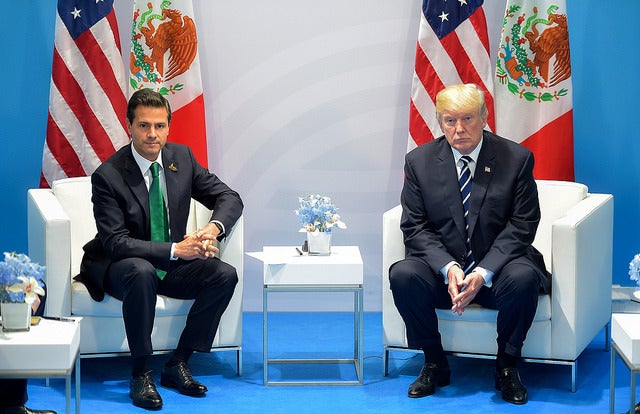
(607,337)
(574,372)
(239,361)
(385,362)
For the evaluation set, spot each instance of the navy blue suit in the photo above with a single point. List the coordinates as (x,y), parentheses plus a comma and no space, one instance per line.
(504,213)
(122,259)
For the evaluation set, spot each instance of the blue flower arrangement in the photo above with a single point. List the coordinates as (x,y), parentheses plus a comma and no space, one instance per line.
(634,269)
(20,279)
(317,213)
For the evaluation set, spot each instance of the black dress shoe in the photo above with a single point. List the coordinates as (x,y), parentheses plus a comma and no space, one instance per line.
(430,376)
(24,410)
(142,391)
(179,376)
(508,382)
(636,409)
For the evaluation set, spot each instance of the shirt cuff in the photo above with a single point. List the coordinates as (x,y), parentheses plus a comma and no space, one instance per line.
(487,275)
(445,271)
(220,226)
(173,250)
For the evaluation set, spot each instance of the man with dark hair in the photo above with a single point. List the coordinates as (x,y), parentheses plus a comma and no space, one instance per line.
(141,198)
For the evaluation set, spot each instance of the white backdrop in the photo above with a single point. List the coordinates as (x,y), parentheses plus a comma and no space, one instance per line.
(309,97)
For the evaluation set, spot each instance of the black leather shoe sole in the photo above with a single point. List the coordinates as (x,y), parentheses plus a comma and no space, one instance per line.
(150,405)
(147,403)
(182,390)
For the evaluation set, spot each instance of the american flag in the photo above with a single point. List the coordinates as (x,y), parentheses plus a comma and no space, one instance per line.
(453,47)
(87,103)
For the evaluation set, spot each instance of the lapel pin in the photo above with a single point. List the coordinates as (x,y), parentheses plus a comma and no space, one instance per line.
(486,169)
(173,168)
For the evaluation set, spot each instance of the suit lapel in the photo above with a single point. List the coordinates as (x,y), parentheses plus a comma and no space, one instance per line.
(135,181)
(450,188)
(171,177)
(485,166)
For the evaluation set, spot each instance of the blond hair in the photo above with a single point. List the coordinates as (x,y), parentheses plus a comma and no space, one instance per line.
(466,97)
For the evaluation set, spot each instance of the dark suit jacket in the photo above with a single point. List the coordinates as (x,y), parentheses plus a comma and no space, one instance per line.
(121,209)
(504,211)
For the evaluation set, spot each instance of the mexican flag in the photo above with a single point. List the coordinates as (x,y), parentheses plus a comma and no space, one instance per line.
(533,91)
(164,57)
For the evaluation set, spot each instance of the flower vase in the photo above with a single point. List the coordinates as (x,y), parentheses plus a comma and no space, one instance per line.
(319,243)
(16,316)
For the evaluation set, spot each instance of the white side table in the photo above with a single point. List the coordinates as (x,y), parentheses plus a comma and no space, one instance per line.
(287,271)
(625,342)
(49,350)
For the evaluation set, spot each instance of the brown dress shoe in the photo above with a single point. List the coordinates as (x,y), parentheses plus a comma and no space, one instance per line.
(430,377)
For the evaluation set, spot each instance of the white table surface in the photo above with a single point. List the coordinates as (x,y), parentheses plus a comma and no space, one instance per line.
(49,349)
(283,265)
(48,346)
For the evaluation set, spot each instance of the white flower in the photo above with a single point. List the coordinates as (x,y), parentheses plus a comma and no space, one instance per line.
(29,287)
(20,279)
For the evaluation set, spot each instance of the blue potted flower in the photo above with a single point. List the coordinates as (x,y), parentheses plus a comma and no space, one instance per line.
(318,217)
(634,274)
(20,282)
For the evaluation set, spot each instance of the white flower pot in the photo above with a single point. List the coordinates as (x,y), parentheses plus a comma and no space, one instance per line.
(15,316)
(319,243)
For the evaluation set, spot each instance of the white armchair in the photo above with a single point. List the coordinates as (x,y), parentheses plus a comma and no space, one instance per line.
(575,235)
(60,222)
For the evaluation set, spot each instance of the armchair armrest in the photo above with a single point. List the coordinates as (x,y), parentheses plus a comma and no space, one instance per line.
(393,250)
(49,239)
(232,252)
(392,239)
(232,247)
(581,268)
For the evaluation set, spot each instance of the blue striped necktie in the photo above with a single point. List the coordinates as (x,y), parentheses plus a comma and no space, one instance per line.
(465,182)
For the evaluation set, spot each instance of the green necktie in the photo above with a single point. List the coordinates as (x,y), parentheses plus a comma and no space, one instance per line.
(158,212)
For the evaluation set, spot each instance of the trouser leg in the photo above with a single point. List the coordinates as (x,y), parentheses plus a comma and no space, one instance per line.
(417,292)
(134,281)
(514,294)
(211,283)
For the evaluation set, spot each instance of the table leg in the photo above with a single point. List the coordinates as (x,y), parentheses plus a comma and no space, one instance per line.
(265,338)
(360,335)
(612,380)
(67,393)
(77,367)
(632,392)
(356,321)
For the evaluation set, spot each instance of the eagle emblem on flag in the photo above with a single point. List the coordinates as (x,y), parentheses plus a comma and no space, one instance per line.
(164,45)
(534,56)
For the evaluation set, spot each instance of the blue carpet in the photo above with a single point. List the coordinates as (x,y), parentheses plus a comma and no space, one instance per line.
(105,381)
